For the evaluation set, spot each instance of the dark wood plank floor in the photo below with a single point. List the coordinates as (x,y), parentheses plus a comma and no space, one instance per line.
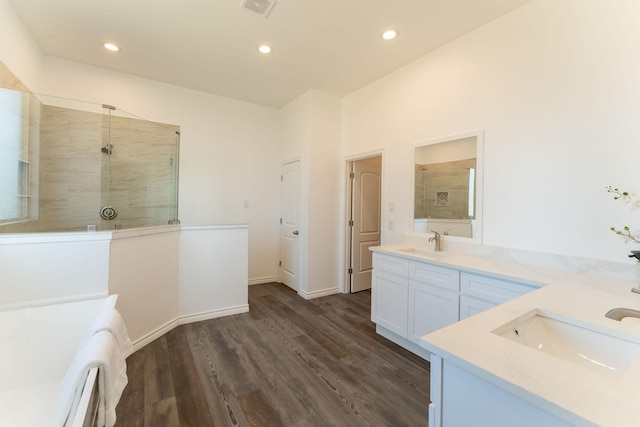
(288,362)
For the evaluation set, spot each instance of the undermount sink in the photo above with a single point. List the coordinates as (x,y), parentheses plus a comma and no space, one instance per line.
(424,252)
(600,349)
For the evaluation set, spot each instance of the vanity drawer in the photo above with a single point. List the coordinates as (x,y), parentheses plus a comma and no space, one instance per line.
(441,277)
(391,264)
(492,290)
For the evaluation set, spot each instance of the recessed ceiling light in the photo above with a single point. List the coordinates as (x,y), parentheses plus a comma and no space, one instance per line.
(112,47)
(389,35)
(263,48)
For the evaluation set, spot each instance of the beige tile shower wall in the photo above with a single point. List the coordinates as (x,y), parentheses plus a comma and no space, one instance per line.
(452,177)
(69,169)
(73,172)
(8,80)
(142,173)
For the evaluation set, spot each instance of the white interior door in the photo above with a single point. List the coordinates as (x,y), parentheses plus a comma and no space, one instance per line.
(365,217)
(289,229)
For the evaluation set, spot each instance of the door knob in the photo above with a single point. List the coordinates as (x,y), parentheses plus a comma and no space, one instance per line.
(295,233)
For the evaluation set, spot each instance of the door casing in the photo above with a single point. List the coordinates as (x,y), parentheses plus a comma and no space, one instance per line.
(362,232)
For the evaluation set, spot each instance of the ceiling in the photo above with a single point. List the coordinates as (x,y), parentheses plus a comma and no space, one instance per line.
(211,45)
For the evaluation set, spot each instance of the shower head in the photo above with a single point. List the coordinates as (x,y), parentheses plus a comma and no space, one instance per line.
(107,149)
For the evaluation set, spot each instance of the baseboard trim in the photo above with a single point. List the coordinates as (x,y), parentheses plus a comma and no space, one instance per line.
(318,294)
(188,318)
(213,314)
(263,280)
(155,334)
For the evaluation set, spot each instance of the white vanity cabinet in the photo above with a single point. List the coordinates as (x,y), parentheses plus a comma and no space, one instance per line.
(411,298)
(460,398)
(390,293)
(479,293)
(433,298)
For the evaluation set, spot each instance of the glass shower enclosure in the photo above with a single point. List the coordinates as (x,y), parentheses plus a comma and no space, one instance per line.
(68,165)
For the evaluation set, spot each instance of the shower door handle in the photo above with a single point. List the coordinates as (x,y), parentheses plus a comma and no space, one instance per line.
(295,233)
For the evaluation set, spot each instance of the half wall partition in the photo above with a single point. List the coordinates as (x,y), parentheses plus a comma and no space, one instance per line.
(67,165)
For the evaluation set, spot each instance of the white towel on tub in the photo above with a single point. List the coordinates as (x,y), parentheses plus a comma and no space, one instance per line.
(110,320)
(102,351)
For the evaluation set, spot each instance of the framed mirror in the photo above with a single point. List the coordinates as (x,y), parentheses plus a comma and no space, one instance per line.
(448,186)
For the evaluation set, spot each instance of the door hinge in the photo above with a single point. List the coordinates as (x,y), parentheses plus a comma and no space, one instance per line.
(351,223)
(280,220)
(281,177)
(352,175)
(279,263)
(351,271)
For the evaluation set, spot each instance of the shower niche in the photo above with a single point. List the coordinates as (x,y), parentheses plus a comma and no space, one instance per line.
(81,166)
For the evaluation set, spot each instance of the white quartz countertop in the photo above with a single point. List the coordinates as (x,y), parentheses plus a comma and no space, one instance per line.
(573,393)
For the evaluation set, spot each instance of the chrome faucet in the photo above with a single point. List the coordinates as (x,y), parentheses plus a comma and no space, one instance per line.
(620,313)
(436,238)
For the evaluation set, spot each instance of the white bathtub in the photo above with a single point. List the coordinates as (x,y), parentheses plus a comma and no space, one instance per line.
(37,345)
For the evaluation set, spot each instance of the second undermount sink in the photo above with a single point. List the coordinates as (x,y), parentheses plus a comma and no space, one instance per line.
(600,349)
(424,252)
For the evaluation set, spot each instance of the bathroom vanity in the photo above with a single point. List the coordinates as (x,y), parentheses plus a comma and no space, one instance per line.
(511,343)
(417,292)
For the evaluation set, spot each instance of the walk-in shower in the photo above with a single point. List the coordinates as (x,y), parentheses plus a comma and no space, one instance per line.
(73,166)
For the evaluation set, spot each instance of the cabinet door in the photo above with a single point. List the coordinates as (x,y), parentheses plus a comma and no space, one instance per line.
(470,306)
(430,308)
(389,302)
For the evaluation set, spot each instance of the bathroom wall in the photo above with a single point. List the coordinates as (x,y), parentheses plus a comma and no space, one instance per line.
(18,50)
(229,150)
(8,80)
(47,268)
(554,86)
(312,126)
(163,276)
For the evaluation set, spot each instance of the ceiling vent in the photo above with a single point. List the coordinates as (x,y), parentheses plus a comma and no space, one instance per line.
(263,7)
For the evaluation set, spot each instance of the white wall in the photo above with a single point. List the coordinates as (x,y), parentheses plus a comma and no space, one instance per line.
(213,271)
(18,50)
(325,187)
(311,129)
(45,268)
(164,276)
(144,272)
(555,87)
(229,150)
